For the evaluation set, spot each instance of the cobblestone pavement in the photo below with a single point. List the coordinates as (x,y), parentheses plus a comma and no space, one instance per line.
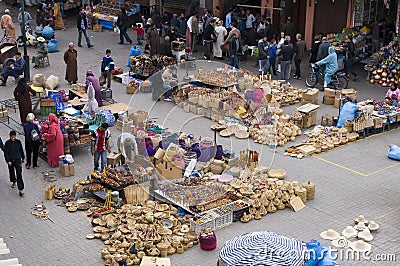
(351,180)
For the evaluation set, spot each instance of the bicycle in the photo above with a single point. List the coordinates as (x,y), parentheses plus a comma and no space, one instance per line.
(339,81)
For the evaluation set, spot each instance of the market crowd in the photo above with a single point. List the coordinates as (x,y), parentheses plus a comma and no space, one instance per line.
(233,37)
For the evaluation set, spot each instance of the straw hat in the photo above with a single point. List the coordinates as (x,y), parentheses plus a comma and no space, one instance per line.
(349,232)
(361,219)
(185,228)
(341,242)
(360,246)
(360,226)
(373,226)
(365,235)
(330,234)
(41,39)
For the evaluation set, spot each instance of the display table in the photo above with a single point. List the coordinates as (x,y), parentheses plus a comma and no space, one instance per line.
(116,108)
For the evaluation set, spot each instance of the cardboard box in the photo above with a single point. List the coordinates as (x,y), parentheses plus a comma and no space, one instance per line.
(329,92)
(153,261)
(47,102)
(71,169)
(378,122)
(169,170)
(337,102)
(328,100)
(113,158)
(64,170)
(310,96)
(369,122)
(309,112)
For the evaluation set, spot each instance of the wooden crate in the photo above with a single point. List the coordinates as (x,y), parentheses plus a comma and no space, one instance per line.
(97,28)
(47,102)
(136,194)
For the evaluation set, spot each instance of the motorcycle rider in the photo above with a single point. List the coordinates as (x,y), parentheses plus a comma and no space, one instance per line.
(331,66)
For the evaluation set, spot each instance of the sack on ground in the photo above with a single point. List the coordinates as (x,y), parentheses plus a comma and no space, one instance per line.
(51,82)
(38,80)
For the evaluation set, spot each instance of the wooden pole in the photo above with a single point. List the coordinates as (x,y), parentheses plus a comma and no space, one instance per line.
(260,7)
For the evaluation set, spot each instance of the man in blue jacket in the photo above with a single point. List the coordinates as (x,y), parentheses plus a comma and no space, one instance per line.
(14,70)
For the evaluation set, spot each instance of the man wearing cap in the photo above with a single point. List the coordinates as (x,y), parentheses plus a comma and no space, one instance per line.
(14,70)
(40,53)
(100,145)
(127,146)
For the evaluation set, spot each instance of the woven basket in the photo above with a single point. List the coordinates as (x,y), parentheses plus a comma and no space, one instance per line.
(277,173)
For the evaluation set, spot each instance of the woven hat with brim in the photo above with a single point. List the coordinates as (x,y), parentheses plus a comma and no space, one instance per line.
(373,226)
(341,242)
(349,232)
(361,219)
(360,226)
(365,235)
(41,39)
(330,234)
(360,246)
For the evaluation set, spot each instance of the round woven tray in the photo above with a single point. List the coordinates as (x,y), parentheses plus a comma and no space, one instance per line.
(277,173)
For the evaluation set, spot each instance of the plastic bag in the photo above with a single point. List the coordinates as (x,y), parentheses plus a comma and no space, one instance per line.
(394,152)
(348,112)
(51,82)
(47,32)
(134,51)
(52,46)
(38,80)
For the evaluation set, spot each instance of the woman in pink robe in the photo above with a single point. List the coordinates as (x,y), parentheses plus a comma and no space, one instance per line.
(55,141)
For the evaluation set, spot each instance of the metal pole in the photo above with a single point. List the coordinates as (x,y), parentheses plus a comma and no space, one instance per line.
(26,56)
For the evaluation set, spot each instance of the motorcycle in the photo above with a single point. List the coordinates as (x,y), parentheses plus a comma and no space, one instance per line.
(339,81)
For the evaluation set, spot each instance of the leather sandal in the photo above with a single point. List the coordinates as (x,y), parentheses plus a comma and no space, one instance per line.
(13,185)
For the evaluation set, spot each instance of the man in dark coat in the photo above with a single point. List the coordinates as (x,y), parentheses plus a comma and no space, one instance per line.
(263,55)
(252,36)
(71,59)
(269,30)
(15,157)
(299,49)
(154,40)
(82,25)
(314,49)
(234,49)
(323,49)
(290,29)
(209,36)
(22,95)
(123,25)
(165,47)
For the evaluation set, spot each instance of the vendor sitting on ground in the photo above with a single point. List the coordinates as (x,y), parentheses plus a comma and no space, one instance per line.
(169,81)
(127,146)
(14,70)
(40,53)
(393,94)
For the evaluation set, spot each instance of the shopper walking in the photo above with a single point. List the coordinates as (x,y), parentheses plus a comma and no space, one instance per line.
(82,24)
(107,65)
(300,48)
(221,33)
(349,59)
(15,157)
(100,146)
(32,141)
(27,19)
(234,50)
(123,25)
(22,95)
(55,141)
(287,56)
(71,59)
(193,28)
(263,56)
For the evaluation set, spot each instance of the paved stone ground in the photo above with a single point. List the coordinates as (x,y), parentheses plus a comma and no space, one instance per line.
(351,180)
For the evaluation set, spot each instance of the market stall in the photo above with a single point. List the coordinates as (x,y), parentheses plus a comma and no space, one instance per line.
(107,12)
